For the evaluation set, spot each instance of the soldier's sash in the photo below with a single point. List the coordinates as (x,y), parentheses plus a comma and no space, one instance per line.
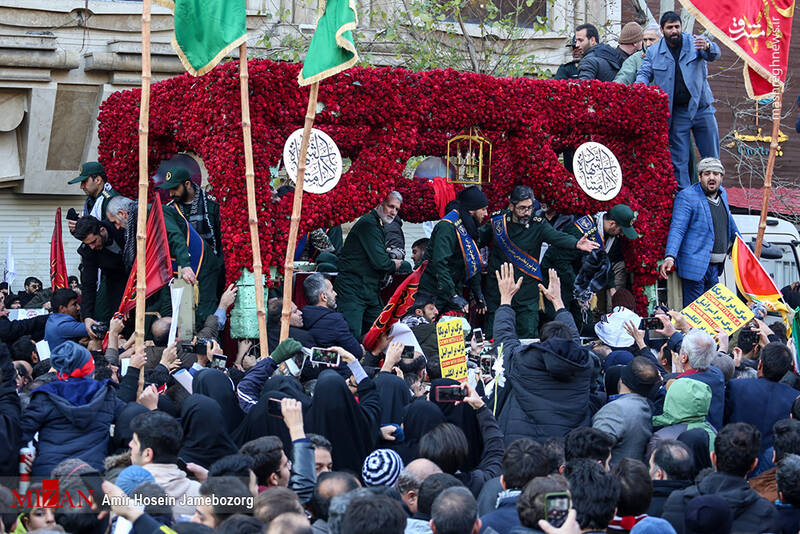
(521,260)
(194,243)
(587,227)
(469,249)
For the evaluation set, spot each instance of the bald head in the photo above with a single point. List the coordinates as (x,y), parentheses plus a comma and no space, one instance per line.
(329,485)
(160,331)
(412,477)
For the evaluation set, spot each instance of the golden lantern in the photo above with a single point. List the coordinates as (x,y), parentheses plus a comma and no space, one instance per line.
(471,155)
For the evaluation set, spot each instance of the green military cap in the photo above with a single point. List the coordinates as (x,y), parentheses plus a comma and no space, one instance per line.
(625,217)
(175,177)
(89,169)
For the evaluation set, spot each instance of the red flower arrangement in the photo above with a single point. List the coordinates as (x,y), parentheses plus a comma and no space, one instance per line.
(380,117)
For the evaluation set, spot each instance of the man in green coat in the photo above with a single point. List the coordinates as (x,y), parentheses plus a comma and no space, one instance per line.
(516,237)
(453,237)
(605,229)
(193,232)
(363,262)
(627,73)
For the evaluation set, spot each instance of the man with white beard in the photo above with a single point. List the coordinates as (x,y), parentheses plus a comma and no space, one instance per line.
(364,261)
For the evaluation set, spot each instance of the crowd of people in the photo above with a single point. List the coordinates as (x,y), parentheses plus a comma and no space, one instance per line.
(575,415)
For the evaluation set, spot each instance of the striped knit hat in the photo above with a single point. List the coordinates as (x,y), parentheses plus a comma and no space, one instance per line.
(381,468)
(71,360)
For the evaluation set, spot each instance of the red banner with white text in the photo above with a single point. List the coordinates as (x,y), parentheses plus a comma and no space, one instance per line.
(758,31)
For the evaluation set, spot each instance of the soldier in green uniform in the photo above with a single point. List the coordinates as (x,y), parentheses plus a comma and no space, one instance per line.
(362,263)
(453,255)
(98,191)
(605,228)
(193,232)
(516,237)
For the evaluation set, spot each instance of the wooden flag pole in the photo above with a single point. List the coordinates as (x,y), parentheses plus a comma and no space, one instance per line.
(773,149)
(252,215)
(297,204)
(141,219)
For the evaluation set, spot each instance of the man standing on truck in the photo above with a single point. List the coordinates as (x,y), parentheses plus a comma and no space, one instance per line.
(701,233)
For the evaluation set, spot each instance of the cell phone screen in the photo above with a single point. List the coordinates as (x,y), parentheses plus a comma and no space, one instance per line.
(556,507)
(651,323)
(449,394)
(94,482)
(408,352)
(325,356)
(477,335)
(219,361)
(274,408)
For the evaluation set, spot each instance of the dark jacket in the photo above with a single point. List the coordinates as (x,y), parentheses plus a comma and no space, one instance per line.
(789,518)
(492,458)
(9,416)
(760,402)
(329,329)
(503,519)
(109,261)
(549,382)
(10,331)
(751,513)
(662,489)
(249,389)
(73,418)
(600,62)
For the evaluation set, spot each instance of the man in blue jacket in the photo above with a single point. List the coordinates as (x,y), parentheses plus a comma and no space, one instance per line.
(764,400)
(690,99)
(63,323)
(701,233)
(328,327)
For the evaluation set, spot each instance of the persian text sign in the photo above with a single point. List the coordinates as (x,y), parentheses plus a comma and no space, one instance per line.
(323,161)
(452,358)
(597,171)
(718,309)
(758,31)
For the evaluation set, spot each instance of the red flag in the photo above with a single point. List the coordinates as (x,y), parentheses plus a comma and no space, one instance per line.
(758,31)
(58,267)
(158,269)
(396,308)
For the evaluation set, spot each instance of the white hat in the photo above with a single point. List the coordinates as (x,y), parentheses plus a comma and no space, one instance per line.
(611,327)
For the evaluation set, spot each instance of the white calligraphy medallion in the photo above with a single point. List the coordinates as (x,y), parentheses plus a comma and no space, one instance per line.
(323,161)
(597,171)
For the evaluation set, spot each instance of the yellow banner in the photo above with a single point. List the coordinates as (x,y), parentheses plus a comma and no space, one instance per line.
(718,309)
(452,357)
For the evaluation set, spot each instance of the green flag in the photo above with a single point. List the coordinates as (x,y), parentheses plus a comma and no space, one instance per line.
(332,49)
(796,339)
(206,31)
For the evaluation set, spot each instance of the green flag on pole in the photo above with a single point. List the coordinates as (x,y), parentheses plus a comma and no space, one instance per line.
(206,31)
(332,49)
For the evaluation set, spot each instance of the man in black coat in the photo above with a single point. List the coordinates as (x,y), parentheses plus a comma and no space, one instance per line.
(320,318)
(735,455)
(101,251)
(599,61)
(9,416)
(671,468)
(547,383)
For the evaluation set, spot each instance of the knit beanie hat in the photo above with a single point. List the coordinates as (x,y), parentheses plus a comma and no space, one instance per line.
(71,360)
(653,525)
(381,468)
(472,198)
(130,478)
(285,350)
(708,514)
(631,33)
